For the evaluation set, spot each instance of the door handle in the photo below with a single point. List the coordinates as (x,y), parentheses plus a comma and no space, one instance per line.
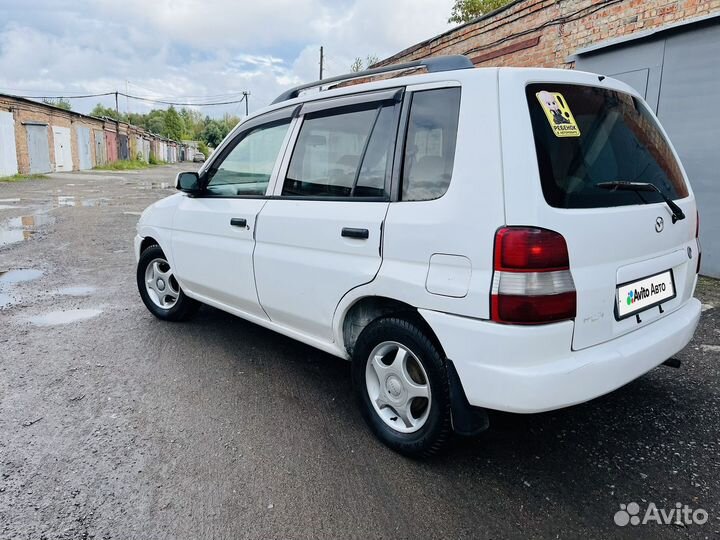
(350,232)
(238,222)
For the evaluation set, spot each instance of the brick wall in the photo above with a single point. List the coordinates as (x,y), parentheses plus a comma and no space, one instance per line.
(543,33)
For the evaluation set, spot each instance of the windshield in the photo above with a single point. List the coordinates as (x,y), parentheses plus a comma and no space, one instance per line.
(585,136)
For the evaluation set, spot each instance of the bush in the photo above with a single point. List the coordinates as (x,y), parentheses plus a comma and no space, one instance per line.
(124,165)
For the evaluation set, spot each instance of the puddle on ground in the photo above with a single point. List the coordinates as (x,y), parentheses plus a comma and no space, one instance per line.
(70,200)
(155,185)
(9,207)
(11,277)
(77,290)
(9,200)
(22,228)
(64,317)
(132,213)
(100,201)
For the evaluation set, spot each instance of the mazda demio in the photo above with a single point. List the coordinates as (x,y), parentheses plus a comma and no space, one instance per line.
(470,239)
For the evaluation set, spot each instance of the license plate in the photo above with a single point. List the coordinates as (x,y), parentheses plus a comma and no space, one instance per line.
(645,293)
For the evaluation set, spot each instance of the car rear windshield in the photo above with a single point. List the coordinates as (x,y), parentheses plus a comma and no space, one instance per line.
(585,136)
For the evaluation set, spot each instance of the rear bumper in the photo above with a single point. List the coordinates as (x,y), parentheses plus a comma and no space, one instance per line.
(533,368)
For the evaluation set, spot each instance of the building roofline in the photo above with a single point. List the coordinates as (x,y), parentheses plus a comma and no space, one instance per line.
(88,116)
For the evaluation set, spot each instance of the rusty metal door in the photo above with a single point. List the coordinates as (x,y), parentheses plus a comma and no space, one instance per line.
(111,146)
(100,149)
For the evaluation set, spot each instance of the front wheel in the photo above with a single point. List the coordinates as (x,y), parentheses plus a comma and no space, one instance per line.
(159,289)
(402,386)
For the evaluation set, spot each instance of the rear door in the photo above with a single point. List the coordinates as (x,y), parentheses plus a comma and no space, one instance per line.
(566,134)
(321,234)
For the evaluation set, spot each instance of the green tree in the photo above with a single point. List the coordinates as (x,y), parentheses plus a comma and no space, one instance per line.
(101,111)
(60,102)
(173,126)
(467,10)
(359,64)
(213,133)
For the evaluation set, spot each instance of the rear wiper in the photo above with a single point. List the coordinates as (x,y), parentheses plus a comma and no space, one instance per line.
(620,185)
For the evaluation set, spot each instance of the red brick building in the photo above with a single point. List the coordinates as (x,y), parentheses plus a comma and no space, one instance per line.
(546,33)
(668,50)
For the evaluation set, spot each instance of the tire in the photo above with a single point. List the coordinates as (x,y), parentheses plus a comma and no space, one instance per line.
(159,290)
(406,404)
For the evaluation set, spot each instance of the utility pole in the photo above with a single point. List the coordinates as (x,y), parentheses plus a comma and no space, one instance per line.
(117,125)
(321,62)
(247,108)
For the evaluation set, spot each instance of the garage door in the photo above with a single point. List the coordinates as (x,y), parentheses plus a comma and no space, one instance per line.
(8,151)
(678,75)
(38,148)
(63,152)
(84,148)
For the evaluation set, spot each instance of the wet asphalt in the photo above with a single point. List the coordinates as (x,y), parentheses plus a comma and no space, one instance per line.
(116,425)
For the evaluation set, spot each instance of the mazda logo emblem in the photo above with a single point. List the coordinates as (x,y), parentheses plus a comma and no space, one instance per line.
(659,224)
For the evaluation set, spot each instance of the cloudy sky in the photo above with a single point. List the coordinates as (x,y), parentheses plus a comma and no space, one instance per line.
(187,50)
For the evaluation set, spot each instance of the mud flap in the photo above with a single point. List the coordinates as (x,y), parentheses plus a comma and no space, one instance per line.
(466,419)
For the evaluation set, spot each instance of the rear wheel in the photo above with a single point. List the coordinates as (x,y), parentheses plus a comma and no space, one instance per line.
(159,288)
(402,386)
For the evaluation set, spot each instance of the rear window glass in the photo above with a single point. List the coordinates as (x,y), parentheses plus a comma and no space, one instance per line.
(585,136)
(430,144)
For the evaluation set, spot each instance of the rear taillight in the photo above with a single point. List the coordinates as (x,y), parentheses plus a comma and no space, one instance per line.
(532,283)
(697,238)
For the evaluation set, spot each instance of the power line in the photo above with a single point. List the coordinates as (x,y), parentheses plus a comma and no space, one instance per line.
(146,99)
(184,104)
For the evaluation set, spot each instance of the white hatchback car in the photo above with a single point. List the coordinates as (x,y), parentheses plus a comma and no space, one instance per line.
(511,239)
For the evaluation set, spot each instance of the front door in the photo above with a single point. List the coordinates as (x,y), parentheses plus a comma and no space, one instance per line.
(321,235)
(214,234)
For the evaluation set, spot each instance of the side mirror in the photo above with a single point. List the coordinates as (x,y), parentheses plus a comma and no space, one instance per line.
(189,182)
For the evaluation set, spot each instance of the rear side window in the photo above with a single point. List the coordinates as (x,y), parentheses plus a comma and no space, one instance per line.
(430,144)
(585,136)
(342,153)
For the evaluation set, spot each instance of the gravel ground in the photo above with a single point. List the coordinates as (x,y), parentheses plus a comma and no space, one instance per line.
(116,425)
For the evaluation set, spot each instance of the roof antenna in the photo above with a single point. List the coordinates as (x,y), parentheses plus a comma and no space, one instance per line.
(601,78)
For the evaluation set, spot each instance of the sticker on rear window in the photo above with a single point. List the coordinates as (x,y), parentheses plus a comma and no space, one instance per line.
(558,114)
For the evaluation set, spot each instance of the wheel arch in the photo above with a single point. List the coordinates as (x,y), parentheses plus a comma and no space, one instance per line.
(365,309)
(150,235)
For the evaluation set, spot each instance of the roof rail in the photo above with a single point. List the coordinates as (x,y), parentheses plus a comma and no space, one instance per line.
(432,65)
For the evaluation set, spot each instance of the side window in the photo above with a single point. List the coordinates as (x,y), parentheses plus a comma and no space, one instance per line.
(342,154)
(247,168)
(430,144)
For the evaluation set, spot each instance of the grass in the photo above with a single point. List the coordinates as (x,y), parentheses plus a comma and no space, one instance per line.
(23,177)
(125,165)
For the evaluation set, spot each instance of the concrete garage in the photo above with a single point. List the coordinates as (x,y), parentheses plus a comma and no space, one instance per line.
(676,70)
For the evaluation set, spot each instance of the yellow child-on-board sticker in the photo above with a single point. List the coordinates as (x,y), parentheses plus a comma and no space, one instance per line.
(558,114)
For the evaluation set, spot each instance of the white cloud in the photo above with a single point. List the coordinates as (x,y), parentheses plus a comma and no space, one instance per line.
(194,48)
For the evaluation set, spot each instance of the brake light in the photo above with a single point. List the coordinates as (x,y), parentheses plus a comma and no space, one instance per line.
(532,283)
(697,238)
